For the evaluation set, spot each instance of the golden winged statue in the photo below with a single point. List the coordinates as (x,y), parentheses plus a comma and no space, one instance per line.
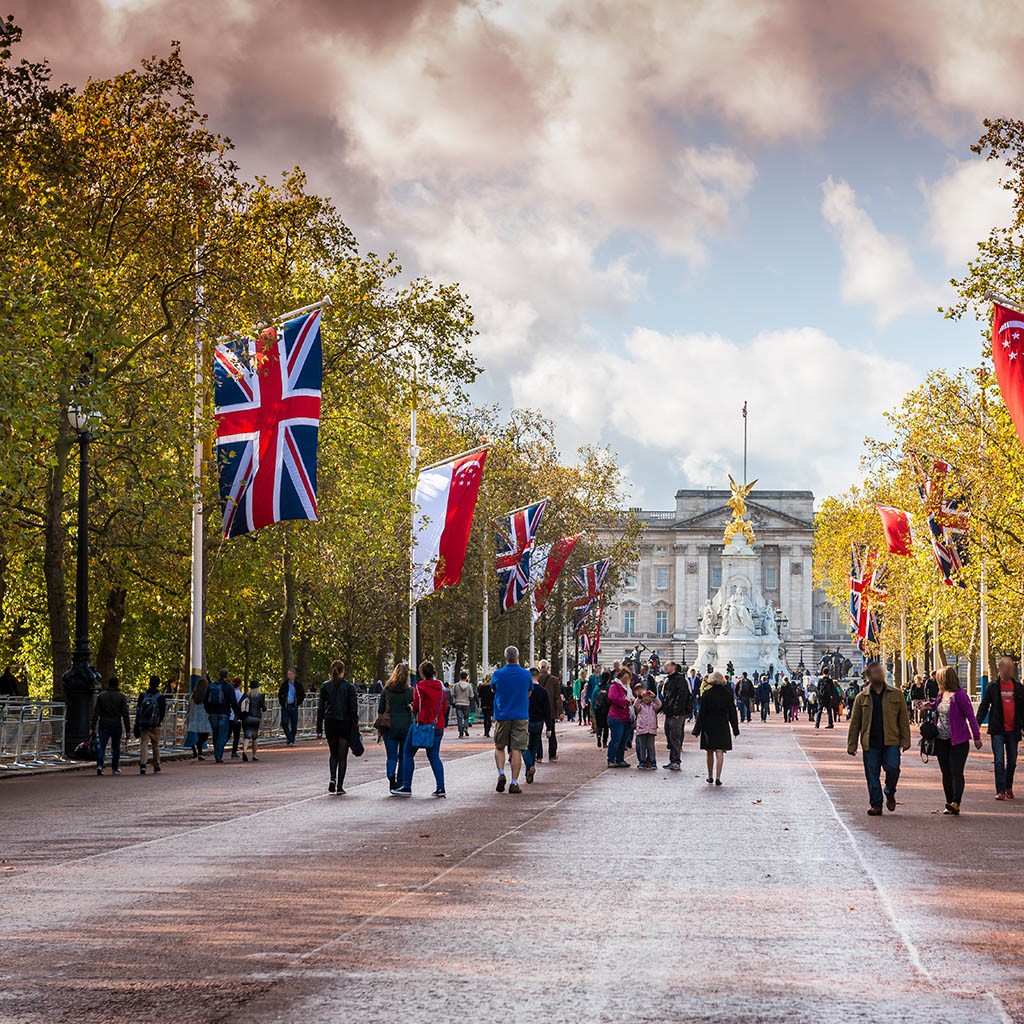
(738,504)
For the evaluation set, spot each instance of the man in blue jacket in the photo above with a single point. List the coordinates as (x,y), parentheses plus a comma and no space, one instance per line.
(511,684)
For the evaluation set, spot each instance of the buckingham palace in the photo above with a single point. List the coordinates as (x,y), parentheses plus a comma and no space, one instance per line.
(660,601)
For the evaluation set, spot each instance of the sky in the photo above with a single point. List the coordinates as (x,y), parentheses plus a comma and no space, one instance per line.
(659,209)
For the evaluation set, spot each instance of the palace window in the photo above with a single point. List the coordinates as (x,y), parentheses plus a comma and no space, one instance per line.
(629,579)
(771,579)
(661,623)
(716,577)
(661,578)
(825,622)
(629,622)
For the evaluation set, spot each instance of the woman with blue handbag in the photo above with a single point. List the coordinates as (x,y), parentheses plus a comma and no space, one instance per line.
(429,713)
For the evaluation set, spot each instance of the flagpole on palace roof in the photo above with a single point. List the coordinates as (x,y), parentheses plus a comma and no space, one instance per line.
(197,620)
(744,441)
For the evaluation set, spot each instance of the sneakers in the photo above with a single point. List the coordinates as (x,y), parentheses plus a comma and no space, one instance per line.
(555,758)
(1000,796)
(245,757)
(514,788)
(341,792)
(1009,794)
(440,794)
(531,774)
(99,771)
(500,787)
(235,755)
(331,786)
(156,769)
(890,801)
(718,782)
(401,791)
(142,769)
(116,771)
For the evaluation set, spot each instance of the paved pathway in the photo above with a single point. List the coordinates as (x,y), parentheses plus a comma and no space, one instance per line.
(597,896)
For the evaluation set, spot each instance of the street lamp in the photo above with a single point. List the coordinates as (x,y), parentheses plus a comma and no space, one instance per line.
(801,668)
(81,680)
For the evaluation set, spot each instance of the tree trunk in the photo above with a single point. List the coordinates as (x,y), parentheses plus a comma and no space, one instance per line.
(381,666)
(113,620)
(303,658)
(288,618)
(459,651)
(473,657)
(55,539)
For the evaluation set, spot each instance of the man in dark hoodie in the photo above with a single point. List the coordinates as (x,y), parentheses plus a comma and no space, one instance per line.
(676,704)
(219,702)
(109,713)
(540,716)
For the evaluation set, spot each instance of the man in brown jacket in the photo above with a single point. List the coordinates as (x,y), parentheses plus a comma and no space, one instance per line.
(554,687)
(881,722)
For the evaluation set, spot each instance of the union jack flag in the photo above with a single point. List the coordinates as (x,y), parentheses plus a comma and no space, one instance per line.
(867,591)
(589,581)
(948,521)
(267,404)
(514,541)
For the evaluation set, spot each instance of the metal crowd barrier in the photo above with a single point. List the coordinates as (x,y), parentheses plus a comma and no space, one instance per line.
(31,733)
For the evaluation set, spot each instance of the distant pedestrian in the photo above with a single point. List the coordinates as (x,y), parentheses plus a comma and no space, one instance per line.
(8,683)
(540,718)
(716,724)
(744,696)
(828,700)
(553,685)
(676,704)
(197,724)
(150,710)
(290,696)
(601,710)
(235,717)
(337,715)
(1003,702)
(765,697)
(109,714)
(647,708)
(430,713)
(620,719)
(485,698)
(511,684)
(252,709)
(955,720)
(396,704)
(219,702)
(462,698)
(880,723)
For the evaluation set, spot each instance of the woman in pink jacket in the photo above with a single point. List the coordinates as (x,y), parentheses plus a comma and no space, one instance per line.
(619,719)
(954,716)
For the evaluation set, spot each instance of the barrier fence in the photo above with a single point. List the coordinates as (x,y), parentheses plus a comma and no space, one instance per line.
(32,732)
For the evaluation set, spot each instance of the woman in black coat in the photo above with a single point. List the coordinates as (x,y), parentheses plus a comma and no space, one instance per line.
(715,721)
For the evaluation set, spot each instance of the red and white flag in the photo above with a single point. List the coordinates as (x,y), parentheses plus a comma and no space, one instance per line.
(1008,356)
(896,523)
(445,502)
(550,563)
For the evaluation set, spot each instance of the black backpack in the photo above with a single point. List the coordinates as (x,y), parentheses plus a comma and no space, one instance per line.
(148,716)
(214,695)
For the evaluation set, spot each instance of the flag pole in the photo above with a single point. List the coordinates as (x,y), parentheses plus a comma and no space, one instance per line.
(486,639)
(325,301)
(414,452)
(744,441)
(983,595)
(197,624)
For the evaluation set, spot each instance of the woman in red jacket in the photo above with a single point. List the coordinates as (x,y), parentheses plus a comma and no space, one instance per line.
(430,711)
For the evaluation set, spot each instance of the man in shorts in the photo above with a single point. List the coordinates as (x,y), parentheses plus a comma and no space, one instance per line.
(511,684)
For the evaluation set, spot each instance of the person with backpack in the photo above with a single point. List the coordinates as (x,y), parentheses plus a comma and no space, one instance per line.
(1003,702)
(219,702)
(251,710)
(150,710)
(337,715)
(429,715)
(828,700)
(108,715)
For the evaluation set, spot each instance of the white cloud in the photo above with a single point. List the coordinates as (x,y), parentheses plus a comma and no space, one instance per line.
(963,207)
(877,268)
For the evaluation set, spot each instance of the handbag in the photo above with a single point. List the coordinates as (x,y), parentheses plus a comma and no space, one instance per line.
(383,721)
(929,734)
(355,741)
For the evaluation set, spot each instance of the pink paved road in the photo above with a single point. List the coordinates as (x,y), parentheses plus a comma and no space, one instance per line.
(245,892)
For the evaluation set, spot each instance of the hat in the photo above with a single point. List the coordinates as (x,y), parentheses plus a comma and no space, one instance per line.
(237,681)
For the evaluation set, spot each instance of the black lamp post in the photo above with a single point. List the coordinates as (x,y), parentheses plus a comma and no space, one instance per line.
(81,680)
(801,668)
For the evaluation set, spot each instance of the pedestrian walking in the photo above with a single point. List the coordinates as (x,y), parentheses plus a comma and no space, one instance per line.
(150,710)
(235,717)
(954,718)
(485,698)
(429,715)
(764,697)
(290,695)
(1003,702)
(511,684)
(828,699)
(620,719)
(394,716)
(716,725)
(337,716)
(251,710)
(880,723)
(540,718)
(744,695)
(463,698)
(590,691)
(601,710)
(219,702)
(553,685)
(676,705)
(109,714)
(647,708)
(8,683)
(197,724)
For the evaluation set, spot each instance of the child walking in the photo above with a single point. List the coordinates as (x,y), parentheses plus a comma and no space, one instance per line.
(647,707)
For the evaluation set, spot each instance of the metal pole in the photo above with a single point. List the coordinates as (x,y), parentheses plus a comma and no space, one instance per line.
(983,597)
(532,632)
(744,441)
(413,455)
(565,652)
(486,639)
(903,648)
(197,622)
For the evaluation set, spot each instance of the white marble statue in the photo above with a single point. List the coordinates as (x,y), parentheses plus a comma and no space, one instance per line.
(708,619)
(736,617)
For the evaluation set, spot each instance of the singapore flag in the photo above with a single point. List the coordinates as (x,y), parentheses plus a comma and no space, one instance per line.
(445,502)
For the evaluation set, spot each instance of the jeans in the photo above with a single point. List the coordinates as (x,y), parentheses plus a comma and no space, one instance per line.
(536,747)
(462,717)
(952,758)
(337,734)
(875,759)
(433,756)
(743,703)
(113,736)
(552,743)
(219,731)
(675,730)
(290,721)
(1004,753)
(394,744)
(645,748)
(764,711)
(617,740)
(822,708)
